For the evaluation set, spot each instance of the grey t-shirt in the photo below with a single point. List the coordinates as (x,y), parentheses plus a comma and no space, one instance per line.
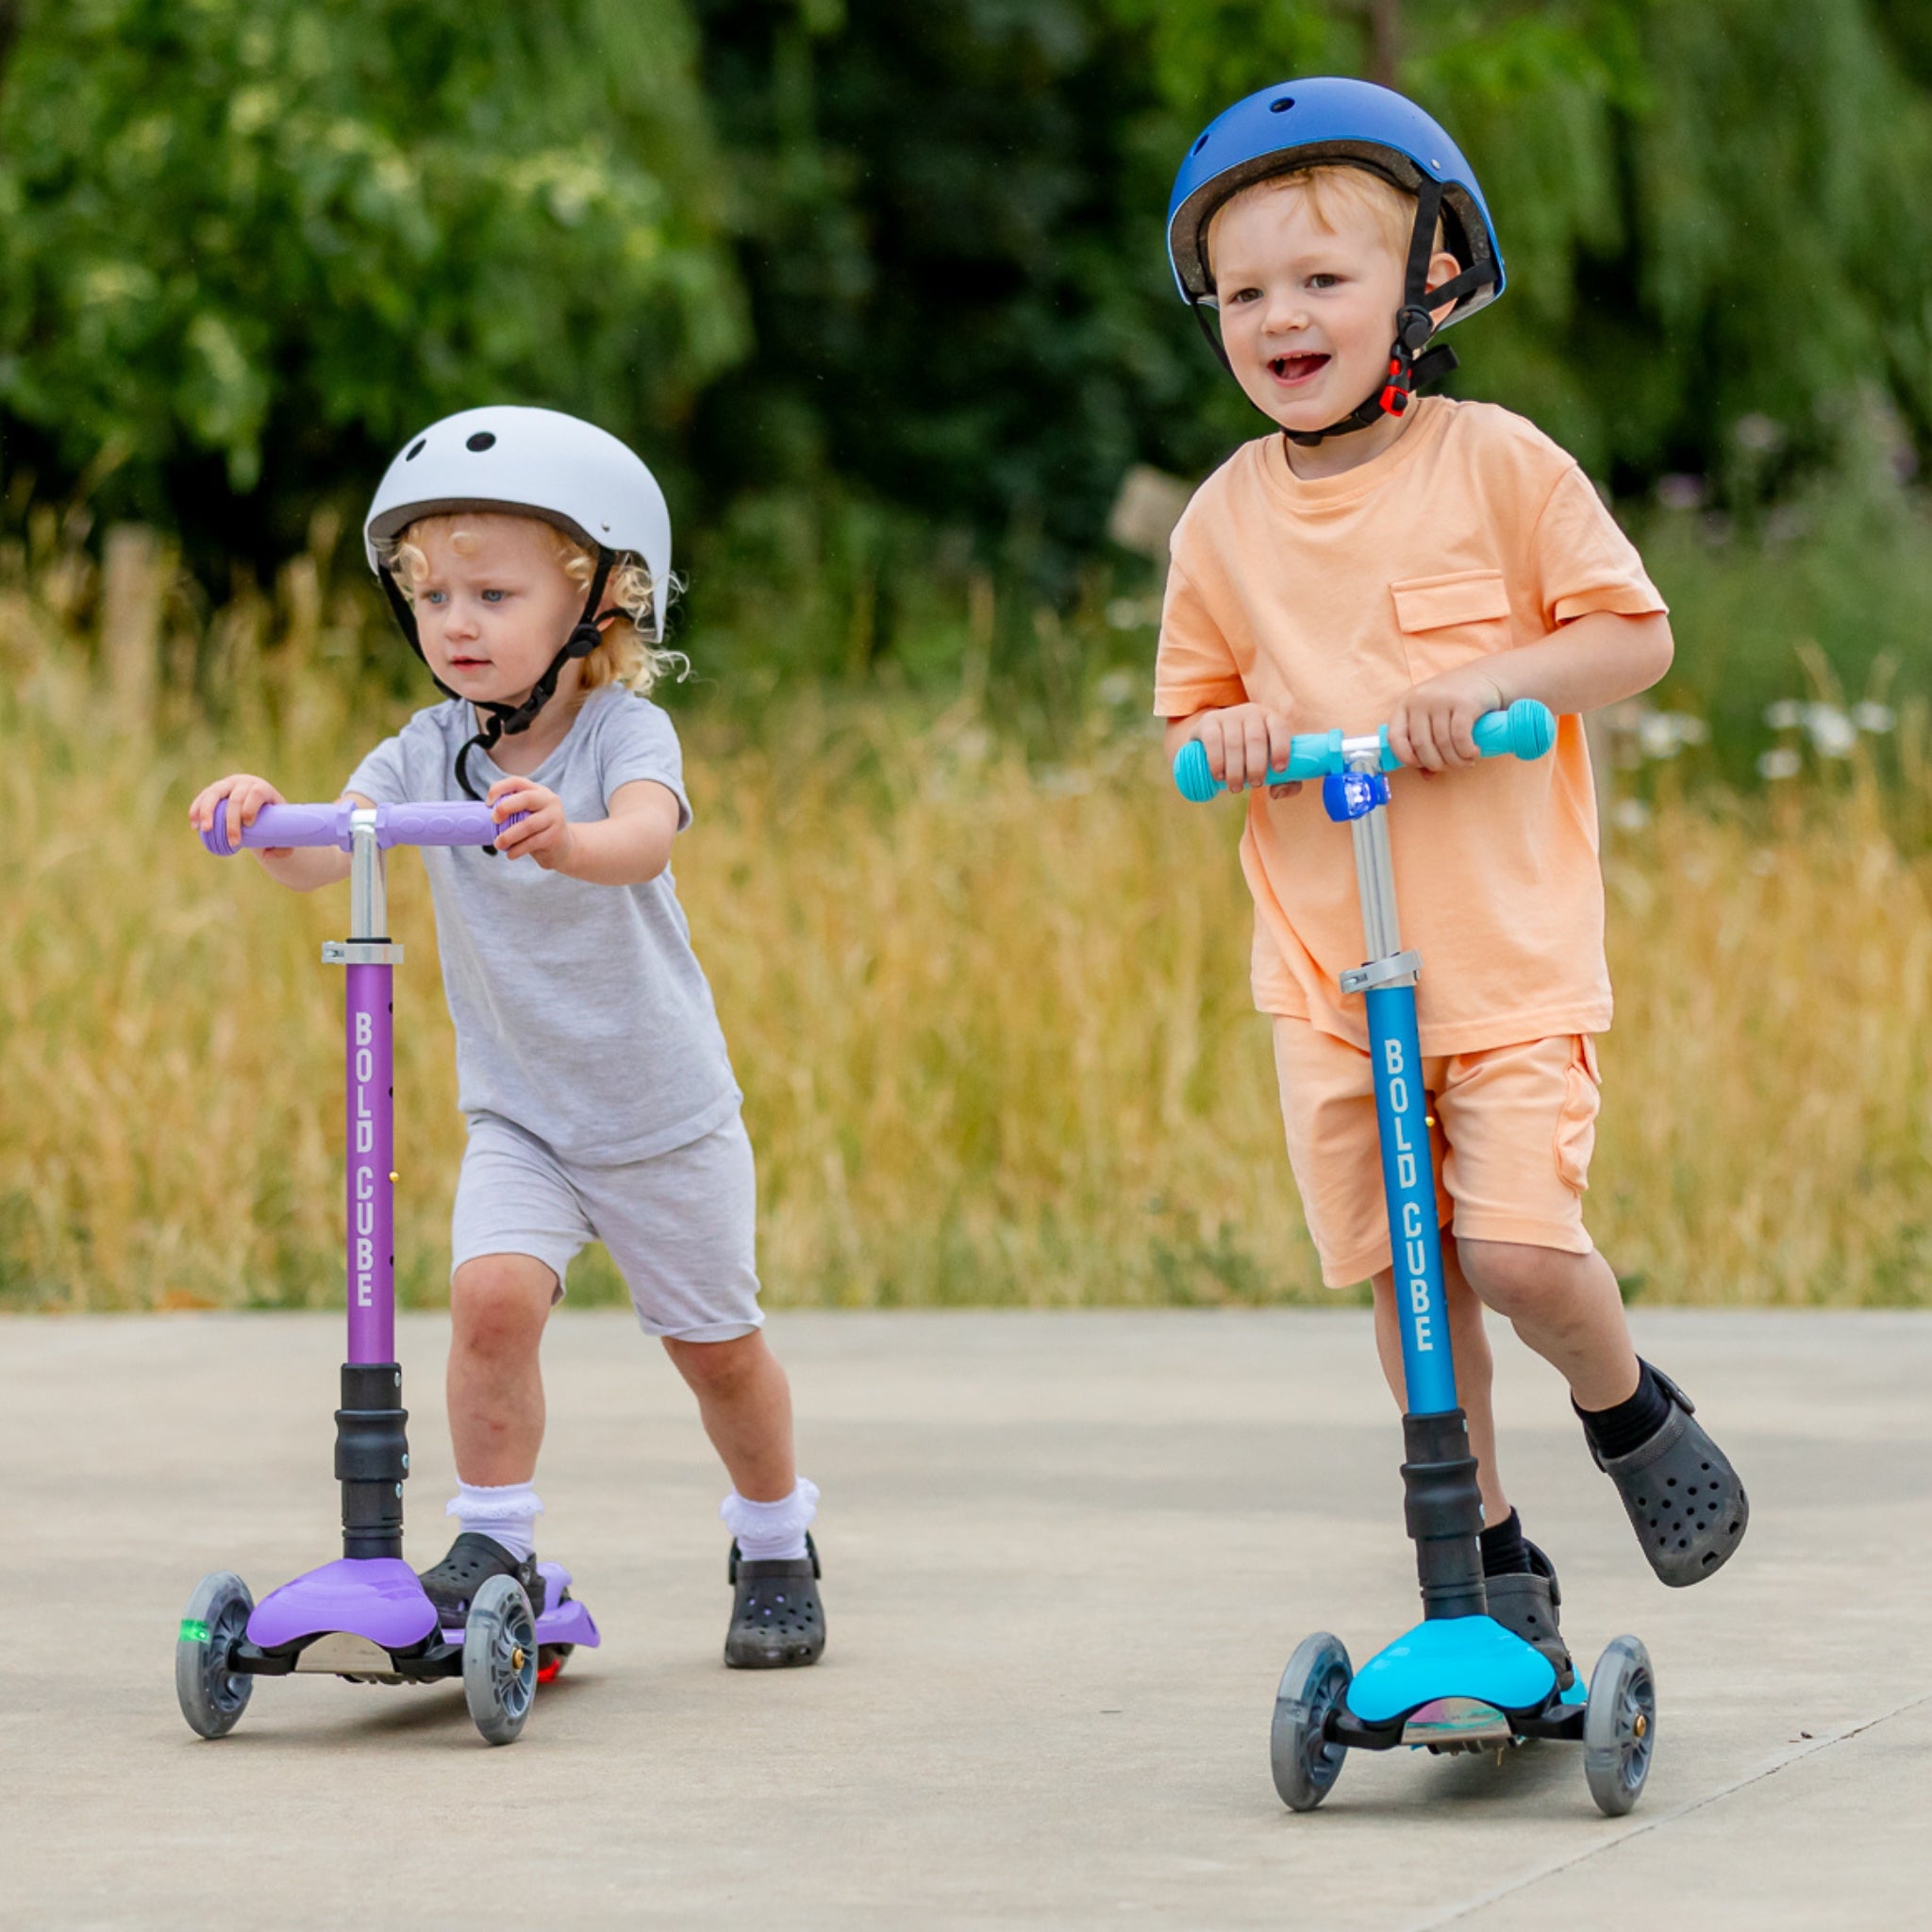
(581,1012)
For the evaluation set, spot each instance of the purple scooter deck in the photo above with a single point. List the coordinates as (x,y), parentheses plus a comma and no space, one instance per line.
(381,1599)
(377,1597)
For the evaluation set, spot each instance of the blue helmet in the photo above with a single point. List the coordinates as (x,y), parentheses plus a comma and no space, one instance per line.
(1306,123)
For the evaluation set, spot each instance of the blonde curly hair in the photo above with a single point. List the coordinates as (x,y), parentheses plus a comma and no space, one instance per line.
(625,656)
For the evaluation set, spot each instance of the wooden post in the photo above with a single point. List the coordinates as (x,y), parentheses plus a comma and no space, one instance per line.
(131,590)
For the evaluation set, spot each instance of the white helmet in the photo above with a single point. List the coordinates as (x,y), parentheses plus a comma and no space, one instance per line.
(531,462)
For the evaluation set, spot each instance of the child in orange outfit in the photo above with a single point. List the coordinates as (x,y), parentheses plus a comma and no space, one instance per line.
(1423,563)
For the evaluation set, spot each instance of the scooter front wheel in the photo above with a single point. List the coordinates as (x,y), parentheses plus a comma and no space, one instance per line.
(500,1659)
(1618,1726)
(212,1697)
(1305,1762)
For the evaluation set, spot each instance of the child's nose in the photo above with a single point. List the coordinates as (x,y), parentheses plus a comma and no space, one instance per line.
(1286,313)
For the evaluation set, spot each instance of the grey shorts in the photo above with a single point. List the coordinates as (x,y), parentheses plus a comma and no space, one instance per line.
(681,1227)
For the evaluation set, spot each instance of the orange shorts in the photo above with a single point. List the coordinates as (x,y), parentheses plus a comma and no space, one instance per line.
(1512,1128)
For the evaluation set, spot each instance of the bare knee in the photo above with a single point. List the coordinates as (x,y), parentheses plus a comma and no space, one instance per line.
(499,1302)
(1515,1279)
(717,1368)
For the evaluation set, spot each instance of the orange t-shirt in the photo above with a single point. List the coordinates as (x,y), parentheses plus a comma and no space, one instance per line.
(1326,599)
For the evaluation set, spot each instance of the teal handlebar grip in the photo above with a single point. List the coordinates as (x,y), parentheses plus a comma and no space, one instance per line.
(1527,730)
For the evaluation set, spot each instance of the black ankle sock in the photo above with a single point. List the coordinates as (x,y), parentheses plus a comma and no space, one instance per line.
(1631,1424)
(1504,1552)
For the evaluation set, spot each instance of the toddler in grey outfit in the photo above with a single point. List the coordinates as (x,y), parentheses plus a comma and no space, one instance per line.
(527,558)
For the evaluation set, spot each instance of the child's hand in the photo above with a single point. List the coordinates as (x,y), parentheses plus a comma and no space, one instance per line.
(245,796)
(544,835)
(1244,744)
(1433,725)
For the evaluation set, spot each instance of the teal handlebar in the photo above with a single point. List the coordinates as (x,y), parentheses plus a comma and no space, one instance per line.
(1527,730)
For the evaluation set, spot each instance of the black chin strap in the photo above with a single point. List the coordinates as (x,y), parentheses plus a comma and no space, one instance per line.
(1198,309)
(506,720)
(1408,372)
(405,621)
(1411,361)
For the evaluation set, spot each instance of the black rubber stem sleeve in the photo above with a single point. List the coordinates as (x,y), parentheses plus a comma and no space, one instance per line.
(371,1458)
(1444,1509)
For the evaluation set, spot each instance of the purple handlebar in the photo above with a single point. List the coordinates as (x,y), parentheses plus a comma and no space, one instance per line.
(328,824)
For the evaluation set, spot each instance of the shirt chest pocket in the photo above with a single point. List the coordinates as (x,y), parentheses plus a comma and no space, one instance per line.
(1448,621)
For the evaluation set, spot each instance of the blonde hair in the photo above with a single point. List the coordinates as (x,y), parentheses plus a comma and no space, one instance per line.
(1336,194)
(625,656)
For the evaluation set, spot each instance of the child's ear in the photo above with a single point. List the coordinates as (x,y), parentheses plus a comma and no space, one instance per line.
(1443,267)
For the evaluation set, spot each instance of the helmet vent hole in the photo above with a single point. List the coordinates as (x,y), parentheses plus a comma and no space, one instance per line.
(1282,106)
(415,449)
(1198,145)
(482,439)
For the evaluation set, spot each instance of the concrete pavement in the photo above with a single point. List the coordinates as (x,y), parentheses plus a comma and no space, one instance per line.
(1067,1558)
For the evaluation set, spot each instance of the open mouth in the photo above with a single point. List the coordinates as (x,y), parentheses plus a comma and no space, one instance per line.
(1299,368)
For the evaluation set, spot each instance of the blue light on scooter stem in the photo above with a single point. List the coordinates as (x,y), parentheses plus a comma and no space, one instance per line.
(1408,1185)
(1353,794)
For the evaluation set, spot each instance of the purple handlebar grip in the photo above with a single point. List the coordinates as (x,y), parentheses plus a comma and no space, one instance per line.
(440,824)
(279,825)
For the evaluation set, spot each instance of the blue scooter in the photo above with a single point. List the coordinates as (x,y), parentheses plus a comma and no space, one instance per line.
(1459,1681)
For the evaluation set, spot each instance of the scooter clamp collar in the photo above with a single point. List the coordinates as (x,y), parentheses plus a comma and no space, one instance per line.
(1398,969)
(361,952)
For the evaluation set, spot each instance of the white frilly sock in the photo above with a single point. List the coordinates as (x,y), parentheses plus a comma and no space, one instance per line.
(506,1513)
(771,1532)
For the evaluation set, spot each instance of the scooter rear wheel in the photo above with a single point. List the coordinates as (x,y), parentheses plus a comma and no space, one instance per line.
(1304,1763)
(1618,1726)
(212,1698)
(500,1659)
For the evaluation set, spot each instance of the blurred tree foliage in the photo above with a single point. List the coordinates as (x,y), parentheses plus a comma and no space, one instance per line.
(247,245)
(955,277)
(903,265)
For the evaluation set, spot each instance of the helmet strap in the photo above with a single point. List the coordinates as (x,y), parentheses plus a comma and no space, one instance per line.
(1411,362)
(1198,309)
(406,619)
(506,720)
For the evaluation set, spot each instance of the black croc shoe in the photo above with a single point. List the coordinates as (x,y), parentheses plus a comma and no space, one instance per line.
(1682,1496)
(473,1561)
(1527,1602)
(777,1619)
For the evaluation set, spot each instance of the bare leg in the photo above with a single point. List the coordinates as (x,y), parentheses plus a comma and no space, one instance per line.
(1474,1369)
(1565,1306)
(498,1306)
(745,1404)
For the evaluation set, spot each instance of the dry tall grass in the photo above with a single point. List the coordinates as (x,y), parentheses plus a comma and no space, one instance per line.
(992,1023)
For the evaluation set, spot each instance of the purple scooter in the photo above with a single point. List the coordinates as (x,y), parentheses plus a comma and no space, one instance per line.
(365,1617)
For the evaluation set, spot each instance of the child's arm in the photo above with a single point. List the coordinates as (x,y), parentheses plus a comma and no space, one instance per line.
(630,846)
(300,868)
(1244,743)
(1593,661)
